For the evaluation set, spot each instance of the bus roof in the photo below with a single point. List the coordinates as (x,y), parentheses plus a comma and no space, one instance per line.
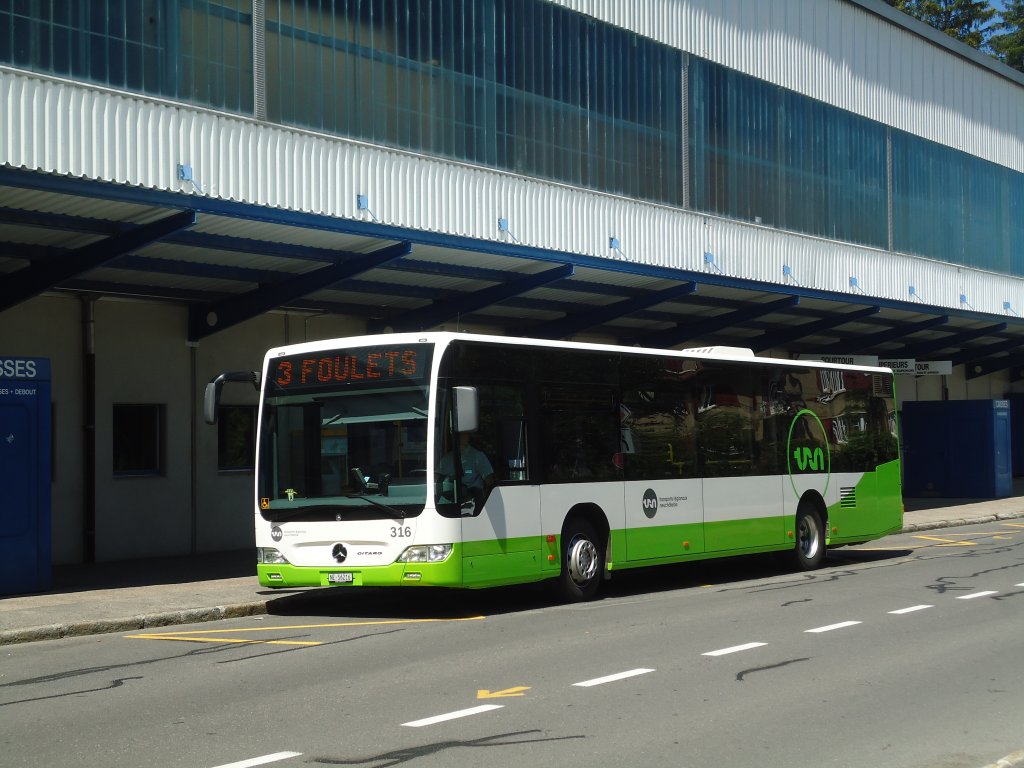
(444,338)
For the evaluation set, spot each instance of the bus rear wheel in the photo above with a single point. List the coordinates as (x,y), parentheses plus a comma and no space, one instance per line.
(582,562)
(809,552)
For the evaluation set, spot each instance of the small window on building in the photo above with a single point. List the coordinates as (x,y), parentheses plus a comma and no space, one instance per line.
(138,440)
(236,438)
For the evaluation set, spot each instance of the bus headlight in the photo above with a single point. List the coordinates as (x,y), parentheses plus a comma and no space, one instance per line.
(426,553)
(270,556)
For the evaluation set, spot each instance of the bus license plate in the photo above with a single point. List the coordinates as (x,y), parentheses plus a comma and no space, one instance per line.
(339,578)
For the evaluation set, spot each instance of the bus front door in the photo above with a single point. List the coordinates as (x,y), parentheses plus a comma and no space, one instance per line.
(501,541)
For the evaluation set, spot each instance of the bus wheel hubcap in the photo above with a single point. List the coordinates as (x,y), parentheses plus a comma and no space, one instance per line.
(808,537)
(582,560)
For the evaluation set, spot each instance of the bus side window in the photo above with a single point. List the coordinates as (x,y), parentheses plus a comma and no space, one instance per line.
(502,435)
(580,432)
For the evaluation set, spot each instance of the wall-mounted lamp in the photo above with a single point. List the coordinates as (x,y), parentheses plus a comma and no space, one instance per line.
(503,227)
(363,204)
(709,262)
(615,245)
(185,173)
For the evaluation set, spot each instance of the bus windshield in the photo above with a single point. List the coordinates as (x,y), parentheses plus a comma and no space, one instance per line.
(343,435)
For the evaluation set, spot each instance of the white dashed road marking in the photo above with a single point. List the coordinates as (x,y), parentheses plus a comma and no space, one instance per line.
(911,609)
(453,715)
(612,678)
(830,627)
(733,649)
(978,594)
(261,760)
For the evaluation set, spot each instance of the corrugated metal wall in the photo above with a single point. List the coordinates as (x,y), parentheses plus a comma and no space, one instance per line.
(66,129)
(833,51)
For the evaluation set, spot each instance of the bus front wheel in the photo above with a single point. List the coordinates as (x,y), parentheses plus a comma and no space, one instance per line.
(582,561)
(809,552)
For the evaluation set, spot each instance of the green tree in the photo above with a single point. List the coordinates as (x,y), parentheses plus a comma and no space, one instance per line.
(963,20)
(1008,44)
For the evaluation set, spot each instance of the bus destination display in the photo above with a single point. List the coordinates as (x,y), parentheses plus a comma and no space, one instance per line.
(365,365)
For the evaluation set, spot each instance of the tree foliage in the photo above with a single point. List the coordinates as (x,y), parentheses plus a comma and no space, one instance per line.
(1007,40)
(976,23)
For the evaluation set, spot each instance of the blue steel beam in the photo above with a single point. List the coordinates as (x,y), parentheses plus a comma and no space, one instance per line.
(438,312)
(978,368)
(768,340)
(684,332)
(954,340)
(865,343)
(206,320)
(571,324)
(970,356)
(39,276)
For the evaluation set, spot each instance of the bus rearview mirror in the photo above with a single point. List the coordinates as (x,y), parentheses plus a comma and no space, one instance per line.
(467,409)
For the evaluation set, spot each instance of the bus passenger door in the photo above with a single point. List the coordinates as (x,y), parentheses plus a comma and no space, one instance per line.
(501,541)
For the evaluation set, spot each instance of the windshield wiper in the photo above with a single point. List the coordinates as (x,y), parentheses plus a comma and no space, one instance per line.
(291,514)
(400,514)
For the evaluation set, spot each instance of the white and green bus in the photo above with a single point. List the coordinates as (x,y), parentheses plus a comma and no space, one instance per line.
(597,458)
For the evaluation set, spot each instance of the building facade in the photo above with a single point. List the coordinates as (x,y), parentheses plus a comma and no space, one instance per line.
(184,183)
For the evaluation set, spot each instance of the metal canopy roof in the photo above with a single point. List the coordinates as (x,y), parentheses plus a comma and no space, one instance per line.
(229,262)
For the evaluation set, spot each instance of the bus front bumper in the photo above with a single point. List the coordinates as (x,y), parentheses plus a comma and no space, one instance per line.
(445,574)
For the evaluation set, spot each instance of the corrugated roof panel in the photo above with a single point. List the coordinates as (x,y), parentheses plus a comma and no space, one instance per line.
(165,280)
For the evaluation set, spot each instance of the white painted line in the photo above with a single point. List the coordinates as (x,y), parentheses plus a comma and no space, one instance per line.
(261,760)
(612,678)
(911,609)
(830,627)
(453,715)
(1019,585)
(733,649)
(978,594)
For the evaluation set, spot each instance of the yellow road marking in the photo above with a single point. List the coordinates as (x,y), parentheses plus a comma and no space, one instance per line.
(483,693)
(1014,525)
(948,542)
(197,635)
(194,639)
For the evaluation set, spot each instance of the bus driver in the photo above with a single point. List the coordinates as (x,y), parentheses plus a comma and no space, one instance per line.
(477,472)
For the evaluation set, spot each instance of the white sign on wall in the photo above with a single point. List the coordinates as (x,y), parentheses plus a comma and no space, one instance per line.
(933,367)
(901,366)
(842,359)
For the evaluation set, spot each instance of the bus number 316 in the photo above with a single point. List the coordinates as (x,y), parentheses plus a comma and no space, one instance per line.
(401,532)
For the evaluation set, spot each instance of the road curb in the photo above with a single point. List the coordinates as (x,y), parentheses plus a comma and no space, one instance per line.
(931,525)
(131,623)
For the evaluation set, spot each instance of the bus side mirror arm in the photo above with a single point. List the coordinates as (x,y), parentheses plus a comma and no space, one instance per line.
(211,398)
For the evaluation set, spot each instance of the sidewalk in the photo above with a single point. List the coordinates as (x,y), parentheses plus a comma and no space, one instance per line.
(139,594)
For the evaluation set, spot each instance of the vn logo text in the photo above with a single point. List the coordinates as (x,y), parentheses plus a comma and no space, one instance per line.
(809,458)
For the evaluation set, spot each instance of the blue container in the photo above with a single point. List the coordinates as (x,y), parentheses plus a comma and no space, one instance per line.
(25,561)
(957,449)
(1017,428)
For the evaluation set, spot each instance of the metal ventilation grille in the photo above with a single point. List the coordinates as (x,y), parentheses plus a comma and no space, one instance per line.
(881,385)
(848,497)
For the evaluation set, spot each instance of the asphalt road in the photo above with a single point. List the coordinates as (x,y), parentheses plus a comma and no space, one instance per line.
(904,653)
